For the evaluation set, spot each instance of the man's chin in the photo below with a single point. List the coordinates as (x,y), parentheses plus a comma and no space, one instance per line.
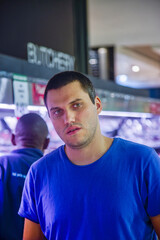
(76,145)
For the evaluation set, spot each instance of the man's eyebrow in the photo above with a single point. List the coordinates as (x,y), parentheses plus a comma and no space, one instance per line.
(54,108)
(76,100)
(72,102)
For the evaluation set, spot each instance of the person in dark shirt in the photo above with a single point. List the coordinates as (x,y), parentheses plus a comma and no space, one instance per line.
(31,139)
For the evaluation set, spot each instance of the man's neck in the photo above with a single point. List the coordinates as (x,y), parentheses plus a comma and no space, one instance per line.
(90,153)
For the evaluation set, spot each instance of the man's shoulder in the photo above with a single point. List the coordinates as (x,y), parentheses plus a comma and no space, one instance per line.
(50,158)
(54,152)
(130,143)
(133,147)
(133,153)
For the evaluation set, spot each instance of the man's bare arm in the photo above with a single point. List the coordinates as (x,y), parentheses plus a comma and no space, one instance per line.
(156,224)
(32,231)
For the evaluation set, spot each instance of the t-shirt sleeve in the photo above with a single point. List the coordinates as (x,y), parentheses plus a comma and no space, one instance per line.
(152,176)
(28,205)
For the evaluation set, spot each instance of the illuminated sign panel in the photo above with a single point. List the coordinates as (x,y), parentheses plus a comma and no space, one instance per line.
(6,95)
(50,58)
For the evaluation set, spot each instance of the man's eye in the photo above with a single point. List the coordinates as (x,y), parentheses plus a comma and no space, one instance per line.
(57,113)
(76,105)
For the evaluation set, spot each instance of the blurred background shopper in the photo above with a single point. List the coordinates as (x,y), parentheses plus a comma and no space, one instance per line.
(31,139)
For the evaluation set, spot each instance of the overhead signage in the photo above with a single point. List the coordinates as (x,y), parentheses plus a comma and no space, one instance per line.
(21,94)
(38,93)
(19,77)
(50,58)
(6,95)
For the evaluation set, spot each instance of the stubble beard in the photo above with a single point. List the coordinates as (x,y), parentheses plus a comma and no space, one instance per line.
(87,139)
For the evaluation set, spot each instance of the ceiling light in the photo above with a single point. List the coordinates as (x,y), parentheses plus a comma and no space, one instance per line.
(135,68)
(122,78)
(102,50)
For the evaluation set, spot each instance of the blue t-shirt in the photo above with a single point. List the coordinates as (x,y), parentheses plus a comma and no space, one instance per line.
(111,198)
(13,170)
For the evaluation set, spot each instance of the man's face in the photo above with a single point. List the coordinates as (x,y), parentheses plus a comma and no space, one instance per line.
(73,114)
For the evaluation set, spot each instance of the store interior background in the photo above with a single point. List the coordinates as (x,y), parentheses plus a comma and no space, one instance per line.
(123,52)
(131,29)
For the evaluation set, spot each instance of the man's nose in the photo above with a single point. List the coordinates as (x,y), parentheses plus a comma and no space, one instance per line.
(69,117)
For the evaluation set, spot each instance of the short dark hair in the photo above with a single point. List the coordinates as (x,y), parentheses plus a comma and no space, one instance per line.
(63,78)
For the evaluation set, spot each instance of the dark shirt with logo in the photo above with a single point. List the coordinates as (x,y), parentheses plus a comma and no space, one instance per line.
(13,170)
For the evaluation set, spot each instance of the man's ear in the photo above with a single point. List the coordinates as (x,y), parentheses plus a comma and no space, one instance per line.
(46,143)
(13,139)
(98,104)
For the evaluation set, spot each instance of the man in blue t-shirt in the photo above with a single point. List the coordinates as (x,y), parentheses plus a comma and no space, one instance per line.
(93,187)
(30,139)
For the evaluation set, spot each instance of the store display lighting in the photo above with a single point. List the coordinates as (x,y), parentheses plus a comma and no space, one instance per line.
(36,108)
(43,110)
(7,106)
(126,114)
(29,107)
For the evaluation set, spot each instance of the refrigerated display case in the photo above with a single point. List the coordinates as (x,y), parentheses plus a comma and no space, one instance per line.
(142,130)
(7,126)
(125,113)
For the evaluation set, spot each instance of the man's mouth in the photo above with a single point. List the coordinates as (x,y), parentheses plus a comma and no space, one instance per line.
(73,131)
